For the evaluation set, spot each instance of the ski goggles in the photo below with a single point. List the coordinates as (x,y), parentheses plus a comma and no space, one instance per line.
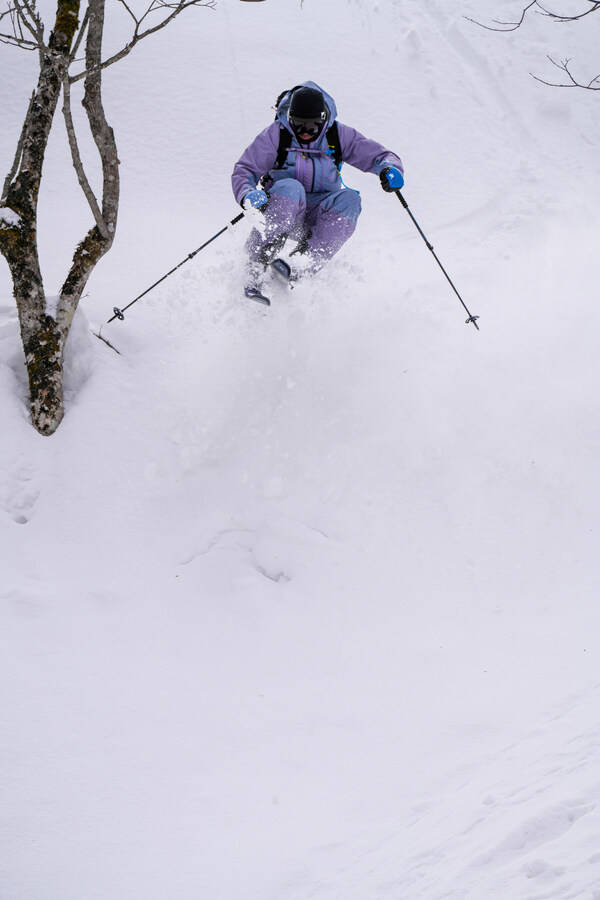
(307,126)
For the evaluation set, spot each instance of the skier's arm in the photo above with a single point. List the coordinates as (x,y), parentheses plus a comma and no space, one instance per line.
(256,160)
(365,154)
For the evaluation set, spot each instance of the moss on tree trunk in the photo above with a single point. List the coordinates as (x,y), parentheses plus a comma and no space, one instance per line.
(44,359)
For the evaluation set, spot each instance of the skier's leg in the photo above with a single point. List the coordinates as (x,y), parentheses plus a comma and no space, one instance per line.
(332,222)
(284,212)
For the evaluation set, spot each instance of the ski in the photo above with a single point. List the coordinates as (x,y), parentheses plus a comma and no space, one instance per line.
(254,293)
(283,271)
(286,275)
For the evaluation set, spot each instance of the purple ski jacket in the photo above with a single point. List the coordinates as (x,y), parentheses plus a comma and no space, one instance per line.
(310,164)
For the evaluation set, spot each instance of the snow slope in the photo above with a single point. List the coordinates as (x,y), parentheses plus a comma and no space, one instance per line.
(303,603)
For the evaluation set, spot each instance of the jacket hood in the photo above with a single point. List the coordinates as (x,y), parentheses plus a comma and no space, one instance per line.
(284,107)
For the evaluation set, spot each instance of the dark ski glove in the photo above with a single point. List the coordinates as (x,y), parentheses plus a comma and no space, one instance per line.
(391,179)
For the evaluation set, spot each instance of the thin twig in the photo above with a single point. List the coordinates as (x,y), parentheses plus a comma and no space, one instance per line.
(22,16)
(505,26)
(32,28)
(80,35)
(541,9)
(593,85)
(37,24)
(560,18)
(123,3)
(15,42)
(137,37)
(15,21)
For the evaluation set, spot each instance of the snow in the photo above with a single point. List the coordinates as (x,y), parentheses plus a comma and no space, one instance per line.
(9,216)
(52,302)
(303,602)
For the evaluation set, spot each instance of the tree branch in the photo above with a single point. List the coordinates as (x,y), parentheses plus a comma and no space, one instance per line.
(131,13)
(593,85)
(14,41)
(80,35)
(23,17)
(99,239)
(29,18)
(19,152)
(595,6)
(176,9)
(505,26)
(541,9)
(77,164)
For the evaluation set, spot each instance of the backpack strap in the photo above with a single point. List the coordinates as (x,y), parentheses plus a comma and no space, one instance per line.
(333,139)
(285,142)
(285,138)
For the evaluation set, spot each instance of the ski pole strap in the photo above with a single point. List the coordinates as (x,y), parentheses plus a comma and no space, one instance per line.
(118,313)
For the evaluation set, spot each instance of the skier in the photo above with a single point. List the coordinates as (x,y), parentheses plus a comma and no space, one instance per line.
(291,171)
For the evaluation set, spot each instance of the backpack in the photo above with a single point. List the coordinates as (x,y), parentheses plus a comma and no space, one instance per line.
(285,138)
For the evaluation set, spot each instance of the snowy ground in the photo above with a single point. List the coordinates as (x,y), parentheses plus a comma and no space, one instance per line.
(303,603)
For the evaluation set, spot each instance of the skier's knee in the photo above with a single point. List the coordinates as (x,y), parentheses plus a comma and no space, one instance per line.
(348,204)
(289,189)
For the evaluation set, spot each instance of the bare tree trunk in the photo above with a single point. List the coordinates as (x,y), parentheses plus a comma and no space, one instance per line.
(42,339)
(99,239)
(44,336)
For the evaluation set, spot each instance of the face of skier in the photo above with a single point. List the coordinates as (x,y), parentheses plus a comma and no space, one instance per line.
(307,130)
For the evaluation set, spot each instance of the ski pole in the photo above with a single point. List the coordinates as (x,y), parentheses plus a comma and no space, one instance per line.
(118,313)
(472,319)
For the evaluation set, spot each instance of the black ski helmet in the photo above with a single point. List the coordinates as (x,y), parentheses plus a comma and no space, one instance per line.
(307,113)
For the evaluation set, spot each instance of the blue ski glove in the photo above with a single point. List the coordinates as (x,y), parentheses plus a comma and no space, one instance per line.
(391,179)
(256,199)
